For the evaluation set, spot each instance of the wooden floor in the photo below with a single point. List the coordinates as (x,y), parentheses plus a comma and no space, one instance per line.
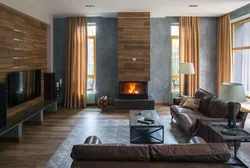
(40,142)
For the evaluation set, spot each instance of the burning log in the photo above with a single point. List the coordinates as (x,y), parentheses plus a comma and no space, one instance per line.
(103,102)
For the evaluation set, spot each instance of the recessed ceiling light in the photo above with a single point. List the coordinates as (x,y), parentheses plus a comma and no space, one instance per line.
(89,6)
(193,6)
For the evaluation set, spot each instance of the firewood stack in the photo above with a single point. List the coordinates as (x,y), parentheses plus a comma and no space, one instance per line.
(103,102)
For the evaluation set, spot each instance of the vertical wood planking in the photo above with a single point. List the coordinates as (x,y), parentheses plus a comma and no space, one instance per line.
(23,46)
(134,42)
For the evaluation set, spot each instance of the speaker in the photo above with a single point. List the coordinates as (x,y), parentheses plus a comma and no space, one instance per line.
(49,86)
(3,104)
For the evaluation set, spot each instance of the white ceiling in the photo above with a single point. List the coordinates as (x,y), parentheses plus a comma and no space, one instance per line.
(158,8)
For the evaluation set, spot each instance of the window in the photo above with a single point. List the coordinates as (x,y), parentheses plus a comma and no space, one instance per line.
(91,56)
(241,53)
(175,56)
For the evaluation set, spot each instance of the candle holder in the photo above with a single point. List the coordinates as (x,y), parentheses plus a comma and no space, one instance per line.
(57,91)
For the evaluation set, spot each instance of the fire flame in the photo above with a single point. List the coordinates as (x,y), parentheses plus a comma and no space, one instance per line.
(132,89)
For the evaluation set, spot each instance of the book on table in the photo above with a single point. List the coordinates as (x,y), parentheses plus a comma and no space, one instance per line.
(146,120)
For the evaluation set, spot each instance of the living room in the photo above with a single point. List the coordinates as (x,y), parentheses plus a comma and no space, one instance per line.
(125,83)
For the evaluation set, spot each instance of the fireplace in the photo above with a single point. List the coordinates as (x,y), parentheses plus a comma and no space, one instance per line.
(133,90)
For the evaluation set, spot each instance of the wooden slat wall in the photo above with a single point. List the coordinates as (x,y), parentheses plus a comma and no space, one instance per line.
(23,46)
(134,42)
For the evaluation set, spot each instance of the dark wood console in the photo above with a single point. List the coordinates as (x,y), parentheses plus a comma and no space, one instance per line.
(13,129)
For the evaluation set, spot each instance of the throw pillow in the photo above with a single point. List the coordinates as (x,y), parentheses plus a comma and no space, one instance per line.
(183,99)
(192,103)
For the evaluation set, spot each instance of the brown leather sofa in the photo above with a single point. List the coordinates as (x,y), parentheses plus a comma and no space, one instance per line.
(94,154)
(212,110)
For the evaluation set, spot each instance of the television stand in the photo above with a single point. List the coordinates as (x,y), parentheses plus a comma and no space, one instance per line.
(12,131)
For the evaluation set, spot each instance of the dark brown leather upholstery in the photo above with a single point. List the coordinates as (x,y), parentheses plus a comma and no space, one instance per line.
(196,140)
(207,153)
(110,152)
(212,111)
(186,117)
(150,156)
(110,164)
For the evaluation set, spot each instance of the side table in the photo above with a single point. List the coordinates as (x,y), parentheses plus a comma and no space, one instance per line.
(241,136)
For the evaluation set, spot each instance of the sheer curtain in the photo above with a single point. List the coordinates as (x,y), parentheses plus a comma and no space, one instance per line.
(246,58)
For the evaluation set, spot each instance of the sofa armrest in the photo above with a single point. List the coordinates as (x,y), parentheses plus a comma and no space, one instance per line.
(242,116)
(176,100)
(196,140)
(92,140)
(219,121)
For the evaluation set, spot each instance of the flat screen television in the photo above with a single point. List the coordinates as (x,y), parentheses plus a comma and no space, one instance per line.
(23,86)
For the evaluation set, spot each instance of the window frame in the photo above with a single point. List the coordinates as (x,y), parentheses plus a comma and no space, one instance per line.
(233,48)
(94,40)
(176,76)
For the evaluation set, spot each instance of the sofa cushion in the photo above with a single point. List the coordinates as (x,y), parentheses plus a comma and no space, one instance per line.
(110,152)
(205,98)
(217,108)
(204,104)
(210,152)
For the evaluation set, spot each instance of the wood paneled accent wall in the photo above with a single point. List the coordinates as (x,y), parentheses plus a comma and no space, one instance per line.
(23,46)
(134,43)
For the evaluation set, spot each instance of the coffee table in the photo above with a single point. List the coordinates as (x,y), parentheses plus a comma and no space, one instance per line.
(141,133)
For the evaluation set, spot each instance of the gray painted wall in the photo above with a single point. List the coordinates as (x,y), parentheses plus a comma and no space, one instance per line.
(106,53)
(106,56)
(240,12)
(208,56)
(60,49)
(160,59)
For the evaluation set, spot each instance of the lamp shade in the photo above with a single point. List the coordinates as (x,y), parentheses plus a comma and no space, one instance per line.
(186,68)
(232,92)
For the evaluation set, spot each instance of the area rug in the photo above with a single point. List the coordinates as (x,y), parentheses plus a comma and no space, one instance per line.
(113,131)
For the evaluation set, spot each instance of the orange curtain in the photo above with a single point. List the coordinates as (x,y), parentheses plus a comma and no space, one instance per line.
(76,64)
(190,52)
(223,51)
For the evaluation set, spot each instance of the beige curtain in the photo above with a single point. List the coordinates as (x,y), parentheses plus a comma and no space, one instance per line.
(76,64)
(223,51)
(190,52)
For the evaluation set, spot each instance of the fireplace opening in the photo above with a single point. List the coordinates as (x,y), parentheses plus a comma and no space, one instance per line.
(133,90)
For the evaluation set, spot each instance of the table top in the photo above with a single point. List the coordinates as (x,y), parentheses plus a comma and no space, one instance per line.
(240,133)
(245,107)
(145,113)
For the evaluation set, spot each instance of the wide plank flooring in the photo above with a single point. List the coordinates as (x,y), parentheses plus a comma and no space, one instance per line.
(41,141)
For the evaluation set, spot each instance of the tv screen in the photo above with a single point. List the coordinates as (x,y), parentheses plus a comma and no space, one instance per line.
(23,86)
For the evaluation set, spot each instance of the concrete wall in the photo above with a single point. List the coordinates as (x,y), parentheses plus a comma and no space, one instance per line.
(240,12)
(106,56)
(60,48)
(160,59)
(208,56)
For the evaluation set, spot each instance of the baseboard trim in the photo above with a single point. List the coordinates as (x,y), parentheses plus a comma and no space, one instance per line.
(162,104)
(17,139)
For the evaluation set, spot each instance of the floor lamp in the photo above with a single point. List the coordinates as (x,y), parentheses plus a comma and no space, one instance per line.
(186,68)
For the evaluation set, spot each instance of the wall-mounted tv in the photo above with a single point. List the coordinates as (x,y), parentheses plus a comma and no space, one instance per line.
(23,86)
